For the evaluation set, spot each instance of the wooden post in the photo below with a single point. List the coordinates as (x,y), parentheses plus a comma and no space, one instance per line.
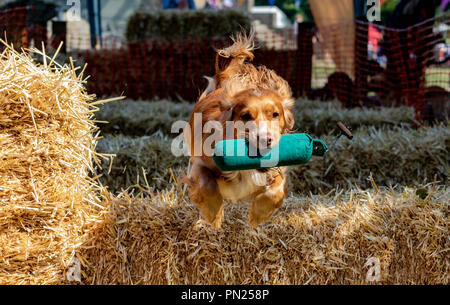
(361,41)
(418,46)
(59,30)
(302,85)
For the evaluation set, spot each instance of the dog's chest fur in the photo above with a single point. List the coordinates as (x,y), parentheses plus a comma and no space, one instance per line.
(243,185)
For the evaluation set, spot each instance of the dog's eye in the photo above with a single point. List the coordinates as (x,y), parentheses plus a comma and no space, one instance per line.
(275,114)
(246,117)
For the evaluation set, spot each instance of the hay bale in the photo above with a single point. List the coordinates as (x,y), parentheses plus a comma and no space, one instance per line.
(415,154)
(392,156)
(320,118)
(139,118)
(325,239)
(47,200)
(146,161)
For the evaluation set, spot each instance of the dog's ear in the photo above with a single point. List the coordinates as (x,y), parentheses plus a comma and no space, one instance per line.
(226,100)
(288,104)
(226,109)
(210,88)
(225,103)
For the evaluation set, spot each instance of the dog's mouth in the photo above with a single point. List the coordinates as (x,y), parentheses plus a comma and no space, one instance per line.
(257,149)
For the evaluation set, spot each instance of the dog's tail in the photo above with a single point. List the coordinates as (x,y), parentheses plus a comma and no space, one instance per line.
(236,54)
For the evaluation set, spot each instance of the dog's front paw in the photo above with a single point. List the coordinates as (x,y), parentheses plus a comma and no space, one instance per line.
(216,223)
(255,219)
(212,215)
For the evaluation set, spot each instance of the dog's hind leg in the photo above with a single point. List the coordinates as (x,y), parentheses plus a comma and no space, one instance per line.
(204,191)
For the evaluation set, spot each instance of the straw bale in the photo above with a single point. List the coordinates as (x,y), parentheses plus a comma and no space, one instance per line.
(146,160)
(324,239)
(47,199)
(320,118)
(393,155)
(139,118)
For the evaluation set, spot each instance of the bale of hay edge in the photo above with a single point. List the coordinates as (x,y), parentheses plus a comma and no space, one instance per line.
(326,239)
(47,148)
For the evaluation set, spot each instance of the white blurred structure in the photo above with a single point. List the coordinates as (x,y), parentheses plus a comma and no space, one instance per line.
(271,16)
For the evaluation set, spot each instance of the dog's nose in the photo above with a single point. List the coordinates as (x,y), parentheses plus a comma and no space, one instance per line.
(265,139)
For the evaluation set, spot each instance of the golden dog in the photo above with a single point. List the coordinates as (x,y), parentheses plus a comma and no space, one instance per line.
(239,92)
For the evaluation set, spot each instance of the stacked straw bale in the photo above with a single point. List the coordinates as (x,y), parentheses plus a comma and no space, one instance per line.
(47,200)
(137,118)
(326,239)
(393,156)
(146,161)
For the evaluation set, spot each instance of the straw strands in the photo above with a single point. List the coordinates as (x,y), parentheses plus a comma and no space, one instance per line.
(47,146)
(327,239)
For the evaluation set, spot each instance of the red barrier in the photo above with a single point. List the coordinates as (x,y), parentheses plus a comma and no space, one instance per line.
(14,24)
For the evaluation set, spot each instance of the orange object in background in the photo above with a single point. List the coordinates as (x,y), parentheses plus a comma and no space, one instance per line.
(374,37)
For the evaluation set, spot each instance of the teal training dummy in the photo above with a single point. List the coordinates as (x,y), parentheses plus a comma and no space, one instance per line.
(293,149)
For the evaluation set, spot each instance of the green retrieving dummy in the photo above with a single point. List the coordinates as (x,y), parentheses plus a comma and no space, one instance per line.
(293,149)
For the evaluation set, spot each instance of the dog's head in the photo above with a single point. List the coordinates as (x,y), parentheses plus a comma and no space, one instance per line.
(259,115)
